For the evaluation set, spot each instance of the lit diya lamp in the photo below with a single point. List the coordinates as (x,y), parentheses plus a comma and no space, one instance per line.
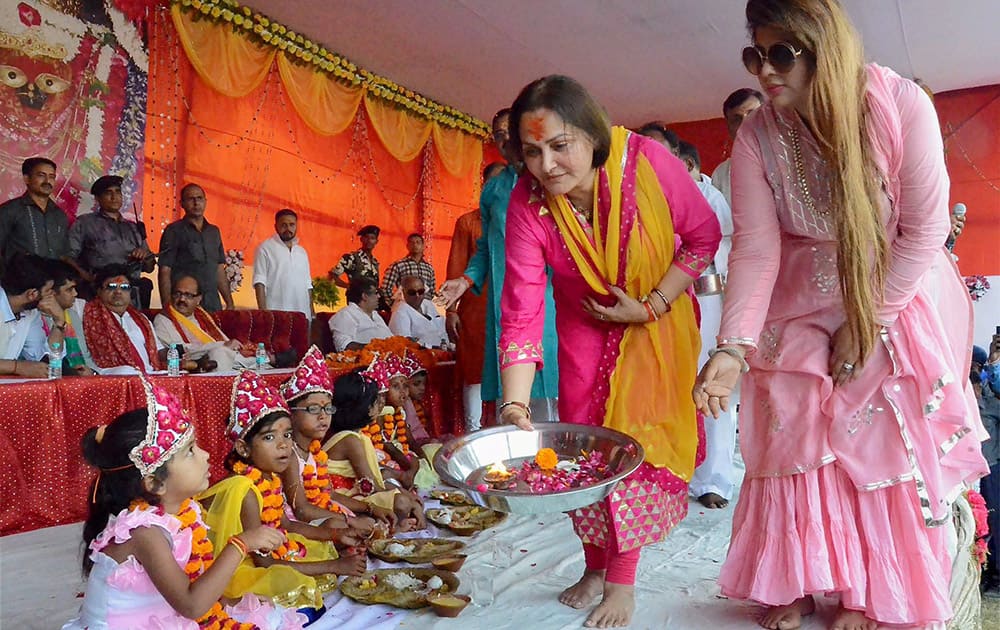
(497,473)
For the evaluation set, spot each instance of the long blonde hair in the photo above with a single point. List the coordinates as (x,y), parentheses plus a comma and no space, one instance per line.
(837,114)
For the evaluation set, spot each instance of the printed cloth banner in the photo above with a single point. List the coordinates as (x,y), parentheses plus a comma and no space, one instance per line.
(73,89)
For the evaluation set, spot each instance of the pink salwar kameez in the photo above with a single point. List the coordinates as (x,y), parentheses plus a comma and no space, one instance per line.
(644,507)
(847,488)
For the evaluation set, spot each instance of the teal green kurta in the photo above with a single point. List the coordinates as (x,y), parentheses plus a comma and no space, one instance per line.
(489,263)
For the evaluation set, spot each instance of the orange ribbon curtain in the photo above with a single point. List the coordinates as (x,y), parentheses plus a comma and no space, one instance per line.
(260,133)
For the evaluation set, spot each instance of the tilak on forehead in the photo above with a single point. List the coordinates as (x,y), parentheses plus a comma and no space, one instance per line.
(536,127)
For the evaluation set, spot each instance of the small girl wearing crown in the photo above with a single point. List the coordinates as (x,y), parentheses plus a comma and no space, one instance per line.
(151,563)
(309,393)
(388,430)
(299,572)
(353,462)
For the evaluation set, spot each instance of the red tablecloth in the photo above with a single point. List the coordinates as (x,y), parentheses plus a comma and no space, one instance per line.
(43,477)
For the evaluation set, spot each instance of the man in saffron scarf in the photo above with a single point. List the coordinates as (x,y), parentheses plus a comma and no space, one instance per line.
(601,207)
(120,338)
(185,322)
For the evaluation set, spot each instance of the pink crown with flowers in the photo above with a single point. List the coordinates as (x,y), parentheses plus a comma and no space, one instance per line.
(378,373)
(411,365)
(310,376)
(167,429)
(252,399)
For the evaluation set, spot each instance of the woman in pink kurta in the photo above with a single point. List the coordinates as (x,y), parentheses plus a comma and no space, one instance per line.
(852,461)
(587,183)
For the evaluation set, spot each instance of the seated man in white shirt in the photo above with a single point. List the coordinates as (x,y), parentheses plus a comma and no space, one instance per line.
(416,317)
(184,322)
(26,294)
(358,323)
(120,338)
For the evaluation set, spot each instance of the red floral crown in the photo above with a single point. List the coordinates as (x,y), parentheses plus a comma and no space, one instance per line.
(167,429)
(311,376)
(252,399)
(411,365)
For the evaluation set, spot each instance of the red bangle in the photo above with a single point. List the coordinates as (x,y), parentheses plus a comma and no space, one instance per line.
(649,310)
(468,280)
(241,546)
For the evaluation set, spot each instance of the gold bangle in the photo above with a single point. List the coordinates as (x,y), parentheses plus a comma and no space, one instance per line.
(666,303)
(241,546)
(518,404)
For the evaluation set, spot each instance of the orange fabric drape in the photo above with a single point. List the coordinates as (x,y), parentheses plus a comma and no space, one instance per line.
(255,155)
(233,65)
(328,107)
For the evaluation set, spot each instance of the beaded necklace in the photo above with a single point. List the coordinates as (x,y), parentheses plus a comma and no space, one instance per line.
(202,556)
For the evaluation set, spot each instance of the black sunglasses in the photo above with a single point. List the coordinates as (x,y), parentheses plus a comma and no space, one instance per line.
(413,292)
(782,57)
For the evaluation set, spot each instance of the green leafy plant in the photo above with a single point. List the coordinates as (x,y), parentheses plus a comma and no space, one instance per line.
(325,292)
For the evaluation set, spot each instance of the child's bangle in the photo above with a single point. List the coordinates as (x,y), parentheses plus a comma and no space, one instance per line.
(241,546)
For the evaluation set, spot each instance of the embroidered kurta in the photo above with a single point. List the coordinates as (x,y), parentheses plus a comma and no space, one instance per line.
(487,270)
(845,484)
(591,350)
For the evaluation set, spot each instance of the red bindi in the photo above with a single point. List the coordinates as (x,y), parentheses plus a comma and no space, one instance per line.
(536,128)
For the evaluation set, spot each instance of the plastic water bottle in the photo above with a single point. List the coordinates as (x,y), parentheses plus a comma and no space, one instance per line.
(173,361)
(55,360)
(261,357)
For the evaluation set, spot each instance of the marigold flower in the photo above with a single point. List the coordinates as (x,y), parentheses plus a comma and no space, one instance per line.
(546,459)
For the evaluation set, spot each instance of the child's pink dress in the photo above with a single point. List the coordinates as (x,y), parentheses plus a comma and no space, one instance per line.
(123,596)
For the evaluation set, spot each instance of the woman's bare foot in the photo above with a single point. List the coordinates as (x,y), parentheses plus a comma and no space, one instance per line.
(615,609)
(788,617)
(713,501)
(406,524)
(852,620)
(582,593)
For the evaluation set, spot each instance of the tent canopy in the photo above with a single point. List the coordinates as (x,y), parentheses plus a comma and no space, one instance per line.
(673,60)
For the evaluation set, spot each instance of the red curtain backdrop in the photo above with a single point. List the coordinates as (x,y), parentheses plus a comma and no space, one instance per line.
(970,124)
(254,155)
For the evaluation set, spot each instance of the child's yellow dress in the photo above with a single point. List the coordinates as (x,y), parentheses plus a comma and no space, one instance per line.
(345,480)
(282,584)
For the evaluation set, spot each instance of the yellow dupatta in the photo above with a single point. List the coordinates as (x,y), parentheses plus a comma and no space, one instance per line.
(195,331)
(650,389)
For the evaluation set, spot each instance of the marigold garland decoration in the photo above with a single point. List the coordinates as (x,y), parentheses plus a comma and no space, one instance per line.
(546,459)
(202,556)
(391,428)
(300,50)
(272,509)
(316,480)
(390,345)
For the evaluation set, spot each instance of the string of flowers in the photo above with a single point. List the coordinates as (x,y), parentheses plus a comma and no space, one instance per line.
(316,479)
(272,509)
(202,556)
(234,268)
(980,514)
(303,51)
(977,286)
(390,345)
(391,428)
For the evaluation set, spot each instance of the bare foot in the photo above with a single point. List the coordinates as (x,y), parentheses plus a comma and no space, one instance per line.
(406,524)
(713,501)
(852,620)
(583,592)
(615,609)
(788,617)
(349,564)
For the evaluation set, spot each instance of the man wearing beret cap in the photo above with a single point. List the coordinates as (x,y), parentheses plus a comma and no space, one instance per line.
(104,237)
(360,263)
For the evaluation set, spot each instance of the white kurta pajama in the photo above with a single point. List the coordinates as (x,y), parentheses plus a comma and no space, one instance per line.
(716,473)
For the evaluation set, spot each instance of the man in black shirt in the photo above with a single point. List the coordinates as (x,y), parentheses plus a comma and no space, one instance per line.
(194,246)
(33,223)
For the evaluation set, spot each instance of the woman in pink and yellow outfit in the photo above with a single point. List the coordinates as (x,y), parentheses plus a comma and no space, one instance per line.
(625,232)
